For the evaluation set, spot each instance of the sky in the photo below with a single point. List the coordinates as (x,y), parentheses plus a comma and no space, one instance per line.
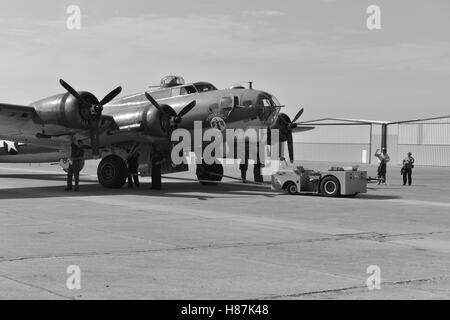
(316,54)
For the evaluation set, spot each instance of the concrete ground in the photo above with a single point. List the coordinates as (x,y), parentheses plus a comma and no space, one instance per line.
(189,241)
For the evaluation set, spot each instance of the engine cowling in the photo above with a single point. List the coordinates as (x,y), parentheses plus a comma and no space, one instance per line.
(157,124)
(65,110)
(144,118)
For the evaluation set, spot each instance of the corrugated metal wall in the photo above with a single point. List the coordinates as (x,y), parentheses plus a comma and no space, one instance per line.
(334,143)
(338,152)
(429,141)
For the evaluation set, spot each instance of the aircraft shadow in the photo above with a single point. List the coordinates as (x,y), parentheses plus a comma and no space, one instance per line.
(170,189)
(47,177)
(368,196)
(174,189)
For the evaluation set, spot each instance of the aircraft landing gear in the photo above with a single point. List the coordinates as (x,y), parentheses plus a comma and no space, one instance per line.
(210,174)
(112,172)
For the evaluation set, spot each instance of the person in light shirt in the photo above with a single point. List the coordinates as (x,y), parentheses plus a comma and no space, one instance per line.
(384,158)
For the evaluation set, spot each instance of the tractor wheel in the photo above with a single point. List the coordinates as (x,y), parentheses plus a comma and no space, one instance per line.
(291,188)
(330,187)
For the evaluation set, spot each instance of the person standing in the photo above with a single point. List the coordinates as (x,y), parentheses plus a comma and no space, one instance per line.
(157,158)
(75,164)
(384,158)
(408,165)
(243,166)
(133,166)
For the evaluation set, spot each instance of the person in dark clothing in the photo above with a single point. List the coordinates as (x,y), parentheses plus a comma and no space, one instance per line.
(156,169)
(243,166)
(76,163)
(408,165)
(133,166)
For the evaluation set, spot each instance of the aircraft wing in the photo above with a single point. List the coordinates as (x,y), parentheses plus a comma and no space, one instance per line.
(302,128)
(22,124)
(340,121)
(14,114)
(348,121)
(16,120)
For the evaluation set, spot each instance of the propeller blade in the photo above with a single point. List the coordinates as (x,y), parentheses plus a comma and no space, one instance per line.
(164,116)
(186,109)
(111,96)
(72,91)
(290,144)
(153,101)
(298,115)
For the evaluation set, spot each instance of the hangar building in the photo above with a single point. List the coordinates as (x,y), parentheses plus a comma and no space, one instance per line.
(356,142)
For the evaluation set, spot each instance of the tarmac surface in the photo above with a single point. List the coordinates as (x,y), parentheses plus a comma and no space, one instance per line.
(235,241)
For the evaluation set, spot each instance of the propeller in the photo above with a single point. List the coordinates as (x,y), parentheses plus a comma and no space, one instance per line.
(170,120)
(94,113)
(286,126)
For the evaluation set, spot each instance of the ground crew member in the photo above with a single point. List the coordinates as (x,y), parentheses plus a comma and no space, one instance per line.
(384,159)
(243,166)
(157,158)
(75,164)
(408,165)
(133,165)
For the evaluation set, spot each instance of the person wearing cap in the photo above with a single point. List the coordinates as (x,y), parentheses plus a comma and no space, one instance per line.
(76,164)
(408,165)
(133,168)
(384,158)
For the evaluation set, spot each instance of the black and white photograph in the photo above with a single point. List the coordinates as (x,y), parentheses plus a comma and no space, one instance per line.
(245,151)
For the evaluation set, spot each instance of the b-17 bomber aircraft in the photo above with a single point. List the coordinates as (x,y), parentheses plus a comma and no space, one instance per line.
(114,128)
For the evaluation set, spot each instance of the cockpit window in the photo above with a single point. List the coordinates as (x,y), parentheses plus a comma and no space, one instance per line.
(266,103)
(268,107)
(204,87)
(188,90)
(276,102)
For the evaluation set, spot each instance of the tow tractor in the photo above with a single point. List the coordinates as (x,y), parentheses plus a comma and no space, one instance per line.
(337,181)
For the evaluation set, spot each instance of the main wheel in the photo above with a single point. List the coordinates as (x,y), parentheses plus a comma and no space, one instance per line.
(209,174)
(112,172)
(330,187)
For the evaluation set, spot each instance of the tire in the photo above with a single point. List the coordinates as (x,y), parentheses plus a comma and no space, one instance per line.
(112,172)
(291,188)
(210,174)
(330,187)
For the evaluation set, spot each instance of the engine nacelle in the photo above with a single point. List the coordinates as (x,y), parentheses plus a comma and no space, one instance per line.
(155,124)
(65,110)
(144,118)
